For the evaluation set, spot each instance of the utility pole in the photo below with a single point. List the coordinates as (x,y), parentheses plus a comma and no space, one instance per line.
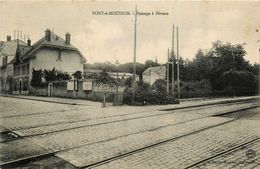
(117,84)
(173,62)
(18,35)
(21,35)
(178,64)
(167,73)
(134,66)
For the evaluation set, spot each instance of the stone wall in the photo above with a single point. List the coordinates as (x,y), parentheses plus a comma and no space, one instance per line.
(59,89)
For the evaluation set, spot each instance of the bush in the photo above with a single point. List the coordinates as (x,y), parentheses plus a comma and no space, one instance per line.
(193,89)
(48,75)
(62,76)
(240,83)
(160,86)
(77,75)
(101,78)
(36,80)
(146,94)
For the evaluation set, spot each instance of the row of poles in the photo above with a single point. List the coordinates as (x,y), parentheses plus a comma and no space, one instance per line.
(172,55)
(168,57)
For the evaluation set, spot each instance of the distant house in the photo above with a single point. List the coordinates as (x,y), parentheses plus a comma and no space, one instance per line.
(151,74)
(121,75)
(49,52)
(91,71)
(8,50)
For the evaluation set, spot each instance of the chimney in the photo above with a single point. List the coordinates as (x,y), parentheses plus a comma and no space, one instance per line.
(48,35)
(8,38)
(29,42)
(67,38)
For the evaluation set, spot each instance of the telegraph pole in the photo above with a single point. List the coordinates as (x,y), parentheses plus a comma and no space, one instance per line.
(167,73)
(134,66)
(117,83)
(173,62)
(178,64)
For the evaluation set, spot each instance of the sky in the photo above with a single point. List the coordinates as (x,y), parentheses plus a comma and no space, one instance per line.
(102,38)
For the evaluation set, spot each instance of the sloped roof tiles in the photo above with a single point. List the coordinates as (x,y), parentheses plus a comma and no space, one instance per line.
(55,42)
(9,48)
(154,70)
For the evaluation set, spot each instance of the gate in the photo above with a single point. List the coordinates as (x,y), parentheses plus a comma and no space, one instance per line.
(50,90)
(108,99)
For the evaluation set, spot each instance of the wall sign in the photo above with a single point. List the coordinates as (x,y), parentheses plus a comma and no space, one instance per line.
(87,85)
(72,85)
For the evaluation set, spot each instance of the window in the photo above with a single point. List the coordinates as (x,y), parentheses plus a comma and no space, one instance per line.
(15,73)
(25,85)
(5,60)
(27,69)
(59,55)
(23,70)
(15,85)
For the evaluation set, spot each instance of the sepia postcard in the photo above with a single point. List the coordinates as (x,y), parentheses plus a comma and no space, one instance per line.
(129,84)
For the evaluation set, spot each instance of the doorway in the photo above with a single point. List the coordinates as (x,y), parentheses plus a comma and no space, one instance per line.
(50,90)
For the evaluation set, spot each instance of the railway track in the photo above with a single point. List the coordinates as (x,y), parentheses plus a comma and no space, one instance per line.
(189,108)
(188,167)
(222,153)
(14,163)
(10,132)
(50,154)
(176,108)
(33,114)
(218,103)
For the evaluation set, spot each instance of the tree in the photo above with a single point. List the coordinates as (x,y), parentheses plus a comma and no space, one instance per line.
(129,82)
(160,87)
(240,83)
(77,75)
(53,75)
(225,57)
(50,75)
(151,63)
(36,80)
(62,76)
(231,57)
(101,78)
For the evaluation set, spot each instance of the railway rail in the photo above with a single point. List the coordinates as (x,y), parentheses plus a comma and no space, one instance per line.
(188,108)
(19,136)
(50,154)
(222,153)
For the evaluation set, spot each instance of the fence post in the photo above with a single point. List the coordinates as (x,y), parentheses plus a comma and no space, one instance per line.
(116,99)
(104,101)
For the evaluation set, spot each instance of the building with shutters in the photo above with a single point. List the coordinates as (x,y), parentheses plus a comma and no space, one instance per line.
(51,51)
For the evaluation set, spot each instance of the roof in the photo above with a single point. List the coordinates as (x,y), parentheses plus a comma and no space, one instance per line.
(109,73)
(55,42)
(154,70)
(92,71)
(21,50)
(120,74)
(8,48)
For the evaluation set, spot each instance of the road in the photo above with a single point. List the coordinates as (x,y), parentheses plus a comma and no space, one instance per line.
(204,134)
